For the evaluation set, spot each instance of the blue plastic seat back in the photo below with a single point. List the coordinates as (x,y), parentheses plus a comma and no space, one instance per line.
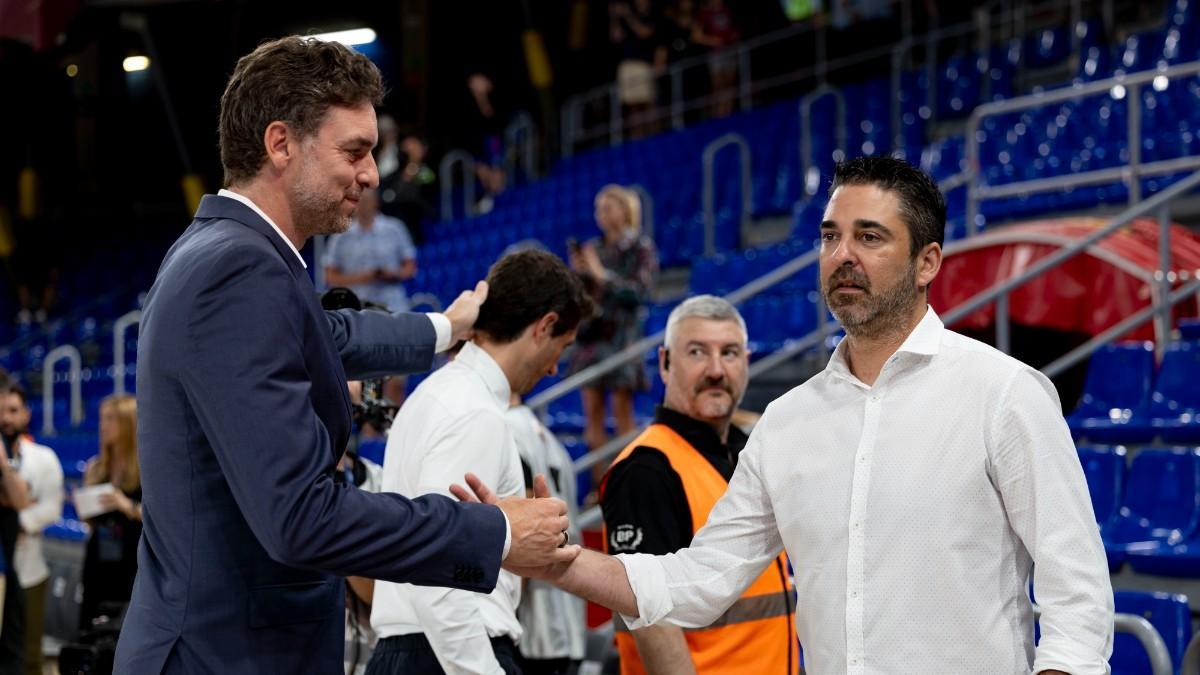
(1162,488)
(1119,376)
(1167,612)
(1178,387)
(1104,468)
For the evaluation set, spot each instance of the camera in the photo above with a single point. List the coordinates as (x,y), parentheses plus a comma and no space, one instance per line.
(374,408)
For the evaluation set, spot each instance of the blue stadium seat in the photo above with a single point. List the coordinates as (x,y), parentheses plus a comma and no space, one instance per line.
(1161,502)
(1170,616)
(1104,468)
(372,449)
(1189,329)
(1175,403)
(1116,396)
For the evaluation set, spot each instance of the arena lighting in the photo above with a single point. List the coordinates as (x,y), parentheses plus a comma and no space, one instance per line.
(1161,83)
(1118,92)
(133,64)
(350,38)
(72,70)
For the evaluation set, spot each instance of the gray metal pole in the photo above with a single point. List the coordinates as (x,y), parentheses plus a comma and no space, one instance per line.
(615,119)
(1133,101)
(1003,332)
(677,97)
(744,84)
(1164,278)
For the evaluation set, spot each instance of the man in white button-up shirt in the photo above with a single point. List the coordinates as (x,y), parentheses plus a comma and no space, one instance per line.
(917,483)
(455,422)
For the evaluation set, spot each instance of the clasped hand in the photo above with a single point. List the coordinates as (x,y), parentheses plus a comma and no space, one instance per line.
(539,525)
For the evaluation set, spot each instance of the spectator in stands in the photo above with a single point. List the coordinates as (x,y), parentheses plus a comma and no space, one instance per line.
(388,152)
(110,559)
(353,469)
(552,620)
(674,45)
(455,422)
(39,467)
(14,498)
(632,27)
(619,270)
(717,30)
(660,490)
(374,257)
(919,483)
(489,154)
(409,193)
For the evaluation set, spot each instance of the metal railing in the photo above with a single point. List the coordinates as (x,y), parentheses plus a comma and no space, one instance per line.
(71,354)
(999,292)
(807,161)
(1123,86)
(999,15)
(119,327)
(520,138)
(446,179)
(1148,635)
(708,194)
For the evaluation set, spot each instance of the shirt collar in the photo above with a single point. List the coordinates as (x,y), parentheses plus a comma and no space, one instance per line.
(246,200)
(703,437)
(477,359)
(925,339)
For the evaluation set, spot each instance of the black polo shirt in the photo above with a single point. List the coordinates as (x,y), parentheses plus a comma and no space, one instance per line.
(644,504)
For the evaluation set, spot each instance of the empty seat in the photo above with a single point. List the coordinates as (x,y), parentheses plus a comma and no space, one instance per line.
(1116,396)
(1167,612)
(1159,503)
(1104,468)
(1175,403)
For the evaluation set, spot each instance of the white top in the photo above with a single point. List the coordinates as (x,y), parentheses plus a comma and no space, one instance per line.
(441,324)
(453,423)
(551,618)
(913,512)
(39,467)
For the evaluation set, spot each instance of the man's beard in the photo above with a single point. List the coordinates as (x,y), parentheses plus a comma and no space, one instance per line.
(10,440)
(870,314)
(313,213)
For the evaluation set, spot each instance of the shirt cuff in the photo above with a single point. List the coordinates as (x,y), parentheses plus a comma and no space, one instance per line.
(441,328)
(649,584)
(507,534)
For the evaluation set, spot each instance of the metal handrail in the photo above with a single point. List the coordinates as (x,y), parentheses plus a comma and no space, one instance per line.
(520,134)
(57,354)
(1131,84)
(708,159)
(807,161)
(1003,288)
(430,299)
(446,178)
(1190,664)
(119,327)
(1148,635)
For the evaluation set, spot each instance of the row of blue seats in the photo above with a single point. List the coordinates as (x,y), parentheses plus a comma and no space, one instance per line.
(1148,509)
(1126,401)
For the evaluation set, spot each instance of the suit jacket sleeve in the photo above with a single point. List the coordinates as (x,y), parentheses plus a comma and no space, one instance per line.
(246,378)
(373,344)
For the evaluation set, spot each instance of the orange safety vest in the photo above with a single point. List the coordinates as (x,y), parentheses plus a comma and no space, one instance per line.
(756,634)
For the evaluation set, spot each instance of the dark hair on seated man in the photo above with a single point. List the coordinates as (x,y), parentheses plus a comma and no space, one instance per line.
(523,287)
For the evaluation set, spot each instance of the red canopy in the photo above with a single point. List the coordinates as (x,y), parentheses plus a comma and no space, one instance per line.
(1086,294)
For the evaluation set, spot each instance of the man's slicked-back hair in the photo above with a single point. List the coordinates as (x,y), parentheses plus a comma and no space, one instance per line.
(525,286)
(922,206)
(294,80)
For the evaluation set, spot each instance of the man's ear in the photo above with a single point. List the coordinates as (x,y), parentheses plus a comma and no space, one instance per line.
(929,262)
(279,142)
(543,329)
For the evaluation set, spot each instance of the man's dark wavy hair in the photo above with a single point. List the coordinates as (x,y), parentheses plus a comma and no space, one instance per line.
(525,286)
(294,80)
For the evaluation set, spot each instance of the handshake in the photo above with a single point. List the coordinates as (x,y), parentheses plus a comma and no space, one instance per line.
(539,527)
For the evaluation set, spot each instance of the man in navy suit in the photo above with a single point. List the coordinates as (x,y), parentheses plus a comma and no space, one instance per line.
(244,409)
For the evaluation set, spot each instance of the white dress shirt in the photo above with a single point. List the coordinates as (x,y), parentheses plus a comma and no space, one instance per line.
(38,466)
(552,619)
(441,325)
(914,512)
(453,423)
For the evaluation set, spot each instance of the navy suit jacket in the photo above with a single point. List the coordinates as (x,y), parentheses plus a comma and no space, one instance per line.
(243,412)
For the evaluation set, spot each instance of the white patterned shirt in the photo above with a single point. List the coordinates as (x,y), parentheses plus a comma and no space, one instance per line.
(914,512)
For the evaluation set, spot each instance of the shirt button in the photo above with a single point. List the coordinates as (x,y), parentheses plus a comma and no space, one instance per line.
(875,398)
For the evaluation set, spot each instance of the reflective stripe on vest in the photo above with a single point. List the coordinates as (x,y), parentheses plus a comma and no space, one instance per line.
(755,635)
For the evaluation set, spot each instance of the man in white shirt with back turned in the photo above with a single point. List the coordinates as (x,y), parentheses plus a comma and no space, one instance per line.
(917,483)
(455,422)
